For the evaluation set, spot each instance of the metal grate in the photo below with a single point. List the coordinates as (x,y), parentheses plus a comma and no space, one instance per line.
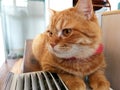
(35,81)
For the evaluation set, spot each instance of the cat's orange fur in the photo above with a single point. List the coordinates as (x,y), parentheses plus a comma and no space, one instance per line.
(68,47)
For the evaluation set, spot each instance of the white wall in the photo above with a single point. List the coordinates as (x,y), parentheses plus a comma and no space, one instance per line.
(60,4)
(57,5)
(114,4)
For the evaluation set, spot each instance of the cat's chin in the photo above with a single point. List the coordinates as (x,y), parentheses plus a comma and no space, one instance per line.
(69,57)
(76,52)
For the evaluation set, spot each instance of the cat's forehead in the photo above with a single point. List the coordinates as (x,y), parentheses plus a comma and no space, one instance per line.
(69,18)
(63,19)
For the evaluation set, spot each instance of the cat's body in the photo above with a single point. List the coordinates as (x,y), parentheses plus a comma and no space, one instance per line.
(71,47)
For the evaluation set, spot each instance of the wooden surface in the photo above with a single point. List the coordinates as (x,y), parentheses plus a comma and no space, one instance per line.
(30,63)
(18,67)
(4,70)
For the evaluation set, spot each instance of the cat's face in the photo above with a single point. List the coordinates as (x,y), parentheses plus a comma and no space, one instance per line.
(71,33)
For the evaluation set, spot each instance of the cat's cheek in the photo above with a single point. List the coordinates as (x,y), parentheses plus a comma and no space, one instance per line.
(50,49)
(84,41)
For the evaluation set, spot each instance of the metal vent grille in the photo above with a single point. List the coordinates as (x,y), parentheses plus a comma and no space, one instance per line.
(35,81)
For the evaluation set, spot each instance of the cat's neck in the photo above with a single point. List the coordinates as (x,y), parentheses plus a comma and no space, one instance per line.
(99,50)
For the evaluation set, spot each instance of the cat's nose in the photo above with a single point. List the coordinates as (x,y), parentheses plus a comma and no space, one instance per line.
(53,45)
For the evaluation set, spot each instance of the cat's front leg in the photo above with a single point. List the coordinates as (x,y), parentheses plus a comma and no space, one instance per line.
(98,81)
(73,82)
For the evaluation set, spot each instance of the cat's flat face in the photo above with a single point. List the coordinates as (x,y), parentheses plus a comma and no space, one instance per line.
(71,34)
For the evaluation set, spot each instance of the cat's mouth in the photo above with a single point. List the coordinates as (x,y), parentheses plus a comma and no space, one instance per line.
(63,52)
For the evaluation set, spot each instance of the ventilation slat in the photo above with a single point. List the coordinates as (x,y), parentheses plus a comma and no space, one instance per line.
(54,87)
(42,87)
(56,84)
(38,84)
(27,82)
(47,80)
(34,81)
(20,83)
(44,81)
(60,83)
(14,82)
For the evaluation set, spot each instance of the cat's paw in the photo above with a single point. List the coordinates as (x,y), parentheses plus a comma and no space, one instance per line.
(78,86)
(101,85)
(73,82)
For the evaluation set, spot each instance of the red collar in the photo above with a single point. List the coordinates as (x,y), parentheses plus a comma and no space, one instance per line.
(99,50)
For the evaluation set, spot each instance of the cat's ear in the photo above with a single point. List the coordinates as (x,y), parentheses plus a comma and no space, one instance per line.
(86,7)
(52,12)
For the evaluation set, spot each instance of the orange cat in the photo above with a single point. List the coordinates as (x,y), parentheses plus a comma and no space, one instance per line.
(72,47)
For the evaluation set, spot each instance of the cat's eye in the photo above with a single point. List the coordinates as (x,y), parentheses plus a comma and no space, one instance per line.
(66,32)
(50,33)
